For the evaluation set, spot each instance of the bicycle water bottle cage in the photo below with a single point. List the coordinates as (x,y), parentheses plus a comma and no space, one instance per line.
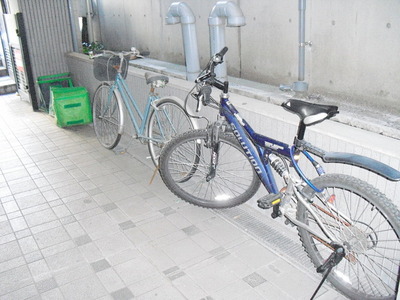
(156,80)
(310,113)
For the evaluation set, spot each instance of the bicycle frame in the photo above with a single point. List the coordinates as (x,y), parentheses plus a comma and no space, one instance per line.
(257,147)
(132,107)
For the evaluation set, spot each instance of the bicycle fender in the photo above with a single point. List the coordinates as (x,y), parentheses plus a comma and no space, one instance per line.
(362,162)
(121,106)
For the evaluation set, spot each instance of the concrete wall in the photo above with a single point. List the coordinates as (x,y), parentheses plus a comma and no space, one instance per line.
(271,120)
(354,52)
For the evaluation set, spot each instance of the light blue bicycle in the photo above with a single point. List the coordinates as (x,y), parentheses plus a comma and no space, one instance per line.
(161,120)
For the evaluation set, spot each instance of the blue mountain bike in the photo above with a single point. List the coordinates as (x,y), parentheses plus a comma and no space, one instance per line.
(349,229)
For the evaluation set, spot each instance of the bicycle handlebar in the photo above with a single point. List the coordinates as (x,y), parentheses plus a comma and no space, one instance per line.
(207,78)
(217,59)
(121,54)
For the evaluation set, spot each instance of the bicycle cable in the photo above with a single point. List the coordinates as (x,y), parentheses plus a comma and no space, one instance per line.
(186,105)
(191,93)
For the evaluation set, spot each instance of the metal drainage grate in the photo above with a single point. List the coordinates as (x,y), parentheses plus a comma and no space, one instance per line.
(264,229)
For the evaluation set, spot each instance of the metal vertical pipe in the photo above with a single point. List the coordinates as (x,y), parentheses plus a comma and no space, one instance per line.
(72,27)
(179,12)
(90,19)
(302,41)
(191,52)
(300,85)
(223,11)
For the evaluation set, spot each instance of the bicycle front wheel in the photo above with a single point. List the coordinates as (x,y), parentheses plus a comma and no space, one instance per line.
(107,116)
(166,121)
(366,224)
(185,166)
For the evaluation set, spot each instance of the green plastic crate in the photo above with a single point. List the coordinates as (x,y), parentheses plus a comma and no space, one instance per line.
(46,83)
(71,106)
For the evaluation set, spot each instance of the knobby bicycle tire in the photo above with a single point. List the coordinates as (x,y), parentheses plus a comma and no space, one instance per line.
(368,226)
(185,163)
(166,121)
(107,116)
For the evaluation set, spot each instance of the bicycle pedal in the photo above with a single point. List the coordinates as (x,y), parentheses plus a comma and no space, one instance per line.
(269,200)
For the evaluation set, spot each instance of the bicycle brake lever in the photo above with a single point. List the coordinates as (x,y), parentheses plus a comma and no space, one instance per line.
(199,101)
(203,77)
(206,93)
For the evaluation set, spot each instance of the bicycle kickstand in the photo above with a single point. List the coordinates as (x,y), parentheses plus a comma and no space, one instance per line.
(333,260)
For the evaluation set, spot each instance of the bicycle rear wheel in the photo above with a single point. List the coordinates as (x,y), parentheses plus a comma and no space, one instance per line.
(366,224)
(166,121)
(185,164)
(107,116)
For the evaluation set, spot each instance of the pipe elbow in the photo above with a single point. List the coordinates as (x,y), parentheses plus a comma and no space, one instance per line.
(179,12)
(229,10)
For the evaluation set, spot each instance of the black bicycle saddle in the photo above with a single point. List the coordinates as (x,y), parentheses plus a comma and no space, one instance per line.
(310,113)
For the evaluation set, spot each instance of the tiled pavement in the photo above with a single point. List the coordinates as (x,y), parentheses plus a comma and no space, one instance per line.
(78,221)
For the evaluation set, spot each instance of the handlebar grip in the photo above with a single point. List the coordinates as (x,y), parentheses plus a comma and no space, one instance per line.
(223,51)
(218,58)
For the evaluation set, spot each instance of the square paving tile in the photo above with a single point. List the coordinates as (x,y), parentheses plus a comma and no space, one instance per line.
(84,288)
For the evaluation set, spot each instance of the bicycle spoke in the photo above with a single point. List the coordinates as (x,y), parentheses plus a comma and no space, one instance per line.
(188,168)
(106,116)
(165,122)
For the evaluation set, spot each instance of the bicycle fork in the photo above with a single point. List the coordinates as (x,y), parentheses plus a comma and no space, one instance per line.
(213,143)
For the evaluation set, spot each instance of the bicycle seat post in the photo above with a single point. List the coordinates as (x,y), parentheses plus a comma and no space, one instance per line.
(301,130)
(152,89)
(121,60)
